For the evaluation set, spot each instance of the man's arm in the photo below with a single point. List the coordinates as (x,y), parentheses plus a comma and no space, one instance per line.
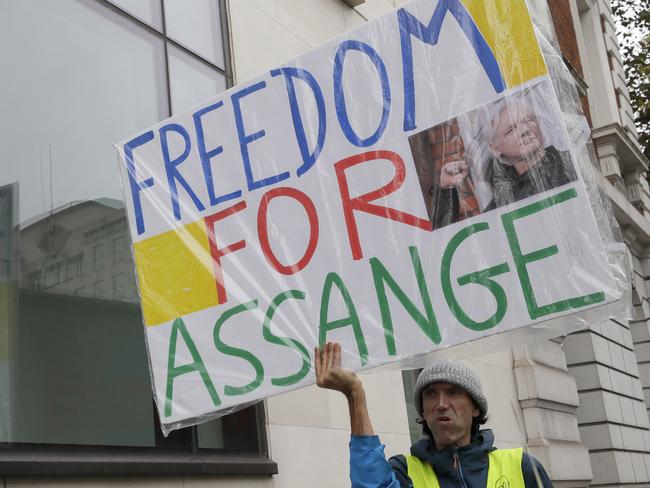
(330,375)
(368,465)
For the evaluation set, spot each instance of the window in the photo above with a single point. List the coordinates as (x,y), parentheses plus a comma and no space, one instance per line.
(100,291)
(53,274)
(409,378)
(119,248)
(5,259)
(33,280)
(73,267)
(98,256)
(78,76)
(119,286)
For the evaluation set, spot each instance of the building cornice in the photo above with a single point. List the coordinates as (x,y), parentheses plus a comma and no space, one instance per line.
(635,227)
(584,5)
(630,155)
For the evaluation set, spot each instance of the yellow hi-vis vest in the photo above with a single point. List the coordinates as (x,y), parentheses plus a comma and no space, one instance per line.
(504,470)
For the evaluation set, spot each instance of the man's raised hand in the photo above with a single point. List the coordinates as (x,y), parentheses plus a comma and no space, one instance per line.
(330,374)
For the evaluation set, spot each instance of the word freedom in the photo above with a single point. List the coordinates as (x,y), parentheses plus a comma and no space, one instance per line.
(409,28)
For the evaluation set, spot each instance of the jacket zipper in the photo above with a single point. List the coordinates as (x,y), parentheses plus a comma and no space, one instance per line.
(459,470)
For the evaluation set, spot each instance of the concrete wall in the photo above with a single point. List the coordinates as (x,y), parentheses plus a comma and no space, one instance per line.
(608,95)
(266,33)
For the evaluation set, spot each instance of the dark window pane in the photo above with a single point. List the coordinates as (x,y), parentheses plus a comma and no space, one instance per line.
(81,375)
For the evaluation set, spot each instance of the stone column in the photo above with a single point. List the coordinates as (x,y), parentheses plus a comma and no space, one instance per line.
(612,416)
(548,398)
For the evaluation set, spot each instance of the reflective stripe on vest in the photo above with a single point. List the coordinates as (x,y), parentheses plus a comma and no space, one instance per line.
(504,470)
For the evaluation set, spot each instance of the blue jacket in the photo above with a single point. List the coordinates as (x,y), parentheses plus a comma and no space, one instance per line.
(369,468)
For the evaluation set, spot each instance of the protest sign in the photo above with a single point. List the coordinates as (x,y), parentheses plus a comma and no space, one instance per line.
(406,187)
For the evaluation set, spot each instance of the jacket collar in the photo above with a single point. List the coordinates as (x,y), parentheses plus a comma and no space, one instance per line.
(472,457)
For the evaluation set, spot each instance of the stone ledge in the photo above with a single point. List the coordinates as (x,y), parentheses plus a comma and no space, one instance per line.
(550,425)
(544,383)
(565,462)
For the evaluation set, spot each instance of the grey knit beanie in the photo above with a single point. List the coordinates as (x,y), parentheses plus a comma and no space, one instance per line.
(454,373)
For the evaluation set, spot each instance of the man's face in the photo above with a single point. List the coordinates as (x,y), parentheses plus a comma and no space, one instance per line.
(448,411)
(517,135)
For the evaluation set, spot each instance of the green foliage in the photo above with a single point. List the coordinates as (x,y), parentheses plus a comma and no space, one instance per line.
(633,30)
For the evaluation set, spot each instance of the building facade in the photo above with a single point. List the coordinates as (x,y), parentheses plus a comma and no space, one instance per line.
(74,385)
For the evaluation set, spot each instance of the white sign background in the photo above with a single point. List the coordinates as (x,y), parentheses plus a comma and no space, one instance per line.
(446,84)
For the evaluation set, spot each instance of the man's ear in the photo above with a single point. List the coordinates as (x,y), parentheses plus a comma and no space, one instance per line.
(475,410)
(495,152)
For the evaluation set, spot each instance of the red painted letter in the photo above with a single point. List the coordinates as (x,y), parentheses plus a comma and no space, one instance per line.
(363,203)
(216,252)
(262,228)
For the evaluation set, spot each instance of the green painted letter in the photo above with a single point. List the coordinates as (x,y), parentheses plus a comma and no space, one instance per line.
(478,277)
(196,366)
(426,322)
(286,341)
(237,352)
(521,260)
(352,319)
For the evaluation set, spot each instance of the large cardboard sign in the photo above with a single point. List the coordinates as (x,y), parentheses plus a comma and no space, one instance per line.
(406,187)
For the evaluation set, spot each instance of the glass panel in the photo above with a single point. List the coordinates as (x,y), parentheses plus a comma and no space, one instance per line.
(210,435)
(81,374)
(148,11)
(8,301)
(72,357)
(409,378)
(237,432)
(191,81)
(76,78)
(197,25)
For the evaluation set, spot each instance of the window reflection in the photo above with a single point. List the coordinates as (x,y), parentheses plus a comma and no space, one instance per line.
(73,363)
(197,25)
(8,298)
(65,251)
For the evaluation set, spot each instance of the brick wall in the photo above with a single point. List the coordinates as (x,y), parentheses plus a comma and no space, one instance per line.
(566,35)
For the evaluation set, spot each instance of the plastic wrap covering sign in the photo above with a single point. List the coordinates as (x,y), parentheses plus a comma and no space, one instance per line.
(406,187)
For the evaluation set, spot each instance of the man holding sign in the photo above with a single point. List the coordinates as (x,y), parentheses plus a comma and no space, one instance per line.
(452,406)
(271,218)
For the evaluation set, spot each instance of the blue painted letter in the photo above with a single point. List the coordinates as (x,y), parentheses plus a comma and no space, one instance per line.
(137,186)
(246,139)
(339,96)
(206,155)
(172,172)
(410,26)
(308,159)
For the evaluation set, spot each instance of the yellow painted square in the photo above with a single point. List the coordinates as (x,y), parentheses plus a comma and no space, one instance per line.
(508,29)
(175,273)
